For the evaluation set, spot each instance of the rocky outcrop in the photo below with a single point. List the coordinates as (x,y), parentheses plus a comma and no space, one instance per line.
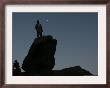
(40,58)
(72,71)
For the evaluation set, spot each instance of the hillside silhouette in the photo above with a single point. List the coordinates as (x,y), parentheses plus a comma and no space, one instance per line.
(40,59)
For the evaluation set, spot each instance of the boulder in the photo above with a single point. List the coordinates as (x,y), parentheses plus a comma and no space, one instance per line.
(40,58)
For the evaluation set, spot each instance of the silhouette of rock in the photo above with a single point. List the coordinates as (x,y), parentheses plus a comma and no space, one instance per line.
(72,71)
(40,58)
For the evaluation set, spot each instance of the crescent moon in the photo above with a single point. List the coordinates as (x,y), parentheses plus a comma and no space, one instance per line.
(47,20)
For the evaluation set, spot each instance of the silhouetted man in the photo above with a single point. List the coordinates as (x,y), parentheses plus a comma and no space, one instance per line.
(39,29)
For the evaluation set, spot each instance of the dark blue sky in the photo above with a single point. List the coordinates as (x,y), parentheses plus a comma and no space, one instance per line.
(76,34)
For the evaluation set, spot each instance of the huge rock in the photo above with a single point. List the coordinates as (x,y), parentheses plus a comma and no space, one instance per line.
(40,58)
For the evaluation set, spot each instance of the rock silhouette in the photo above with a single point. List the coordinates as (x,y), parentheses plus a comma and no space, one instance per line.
(72,71)
(40,59)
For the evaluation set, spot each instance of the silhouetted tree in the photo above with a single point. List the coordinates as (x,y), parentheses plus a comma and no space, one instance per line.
(16,68)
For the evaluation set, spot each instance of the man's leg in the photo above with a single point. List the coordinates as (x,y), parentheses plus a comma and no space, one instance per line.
(40,34)
(37,34)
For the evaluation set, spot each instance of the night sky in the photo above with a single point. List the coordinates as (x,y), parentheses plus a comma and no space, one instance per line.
(76,34)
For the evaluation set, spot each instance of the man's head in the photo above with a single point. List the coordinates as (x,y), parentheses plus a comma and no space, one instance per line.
(37,21)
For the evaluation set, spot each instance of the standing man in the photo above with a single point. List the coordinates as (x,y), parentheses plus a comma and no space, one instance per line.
(39,29)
